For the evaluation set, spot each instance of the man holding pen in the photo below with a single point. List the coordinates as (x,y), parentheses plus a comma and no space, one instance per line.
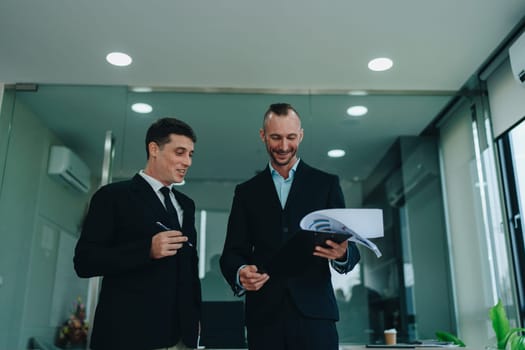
(140,236)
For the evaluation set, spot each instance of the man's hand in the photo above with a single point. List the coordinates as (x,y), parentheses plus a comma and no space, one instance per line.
(166,243)
(250,279)
(336,251)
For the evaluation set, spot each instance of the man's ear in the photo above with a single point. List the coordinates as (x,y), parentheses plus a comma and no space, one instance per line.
(261,134)
(153,149)
(301,134)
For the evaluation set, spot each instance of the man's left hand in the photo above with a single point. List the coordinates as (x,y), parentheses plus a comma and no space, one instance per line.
(336,250)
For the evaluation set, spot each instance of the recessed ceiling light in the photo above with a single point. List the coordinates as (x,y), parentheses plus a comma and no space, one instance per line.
(336,153)
(119,59)
(357,111)
(141,108)
(141,89)
(380,64)
(358,93)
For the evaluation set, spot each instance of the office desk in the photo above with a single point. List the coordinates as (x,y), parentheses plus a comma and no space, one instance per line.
(43,345)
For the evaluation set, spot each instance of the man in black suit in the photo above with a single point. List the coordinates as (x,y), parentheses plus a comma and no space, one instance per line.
(296,310)
(150,296)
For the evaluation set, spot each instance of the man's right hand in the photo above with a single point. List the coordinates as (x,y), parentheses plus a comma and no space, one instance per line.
(250,279)
(166,243)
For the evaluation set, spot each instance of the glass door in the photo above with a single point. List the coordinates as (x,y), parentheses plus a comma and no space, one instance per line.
(511,146)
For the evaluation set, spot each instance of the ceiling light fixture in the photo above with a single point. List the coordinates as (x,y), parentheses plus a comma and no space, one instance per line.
(358,93)
(380,64)
(336,153)
(143,108)
(357,111)
(119,59)
(141,89)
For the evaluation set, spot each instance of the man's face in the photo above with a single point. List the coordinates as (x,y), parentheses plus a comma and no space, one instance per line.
(282,135)
(170,162)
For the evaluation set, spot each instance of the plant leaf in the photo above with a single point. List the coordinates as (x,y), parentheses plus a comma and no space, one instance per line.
(445,336)
(517,341)
(500,324)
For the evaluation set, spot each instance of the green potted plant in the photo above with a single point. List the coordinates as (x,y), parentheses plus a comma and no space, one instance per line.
(450,338)
(512,338)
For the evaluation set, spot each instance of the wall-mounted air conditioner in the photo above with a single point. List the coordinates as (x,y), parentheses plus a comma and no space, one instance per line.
(517,59)
(69,168)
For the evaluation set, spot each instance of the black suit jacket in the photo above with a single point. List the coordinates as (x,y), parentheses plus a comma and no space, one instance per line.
(258,226)
(144,303)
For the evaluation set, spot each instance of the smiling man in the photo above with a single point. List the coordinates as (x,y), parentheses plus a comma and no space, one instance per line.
(296,311)
(140,236)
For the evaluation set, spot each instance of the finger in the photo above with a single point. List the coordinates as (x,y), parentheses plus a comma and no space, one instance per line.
(249,268)
(254,275)
(334,253)
(332,244)
(172,233)
(166,252)
(178,239)
(322,255)
(247,271)
(255,282)
(249,281)
(174,246)
(261,283)
(326,253)
(332,247)
(319,249)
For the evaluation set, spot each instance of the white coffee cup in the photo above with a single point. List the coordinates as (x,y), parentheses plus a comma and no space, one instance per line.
(390,336)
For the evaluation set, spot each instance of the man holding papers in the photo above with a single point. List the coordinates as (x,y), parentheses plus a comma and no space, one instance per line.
(296,310)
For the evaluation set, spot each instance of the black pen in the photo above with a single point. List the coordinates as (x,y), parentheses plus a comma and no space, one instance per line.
(164,227)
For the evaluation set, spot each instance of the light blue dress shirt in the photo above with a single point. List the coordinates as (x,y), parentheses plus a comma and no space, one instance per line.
(282,185)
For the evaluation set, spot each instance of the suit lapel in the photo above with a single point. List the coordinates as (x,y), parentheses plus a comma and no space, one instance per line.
(297,184)
(268,191)
(149,199)
(183,204)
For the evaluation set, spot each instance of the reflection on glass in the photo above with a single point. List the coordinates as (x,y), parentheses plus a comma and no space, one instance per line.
(517,138)
(214,286)
(395,291)
(78,116)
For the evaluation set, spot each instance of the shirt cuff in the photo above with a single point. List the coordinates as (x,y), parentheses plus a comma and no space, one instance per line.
(342,263)
(239,289)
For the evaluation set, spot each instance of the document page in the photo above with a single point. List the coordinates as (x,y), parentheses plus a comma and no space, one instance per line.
(362,224)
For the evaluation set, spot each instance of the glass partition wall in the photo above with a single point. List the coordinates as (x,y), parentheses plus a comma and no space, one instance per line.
(393,291)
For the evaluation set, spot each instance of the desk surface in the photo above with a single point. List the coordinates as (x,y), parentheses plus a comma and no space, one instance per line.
(43,345)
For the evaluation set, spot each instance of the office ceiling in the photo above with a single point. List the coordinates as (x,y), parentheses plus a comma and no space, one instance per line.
(219,64)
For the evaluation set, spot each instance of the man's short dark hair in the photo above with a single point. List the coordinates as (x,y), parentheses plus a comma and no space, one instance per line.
(280,109)
(160,131)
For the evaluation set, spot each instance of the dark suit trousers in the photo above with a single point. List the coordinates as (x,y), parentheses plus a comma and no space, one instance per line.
(292,331)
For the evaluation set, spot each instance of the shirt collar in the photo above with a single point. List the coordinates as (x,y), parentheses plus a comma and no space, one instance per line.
(154,183)
(292,170)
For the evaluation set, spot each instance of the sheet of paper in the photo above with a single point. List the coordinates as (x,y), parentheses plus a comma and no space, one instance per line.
(368,223)
(363,224)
